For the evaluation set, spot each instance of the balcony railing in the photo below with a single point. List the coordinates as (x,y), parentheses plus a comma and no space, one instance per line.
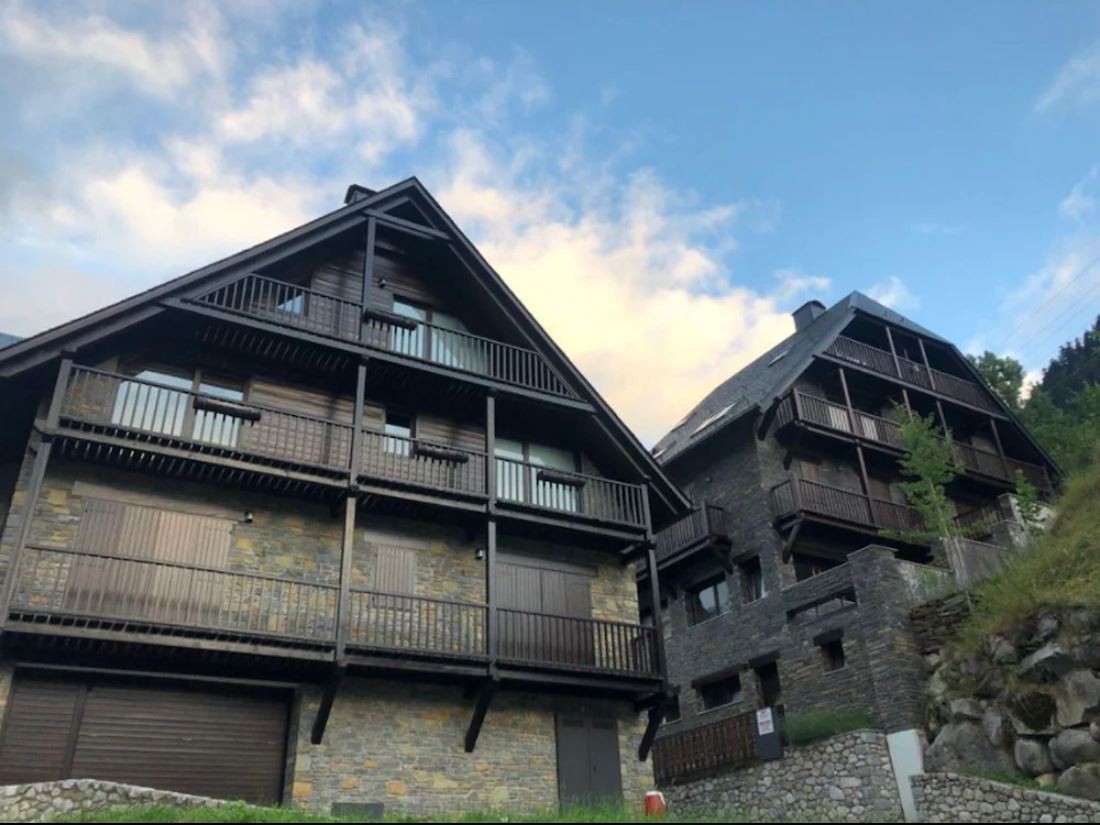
(798,495)
(723,745)
(120,590)
(145,411)
(96,591)
(307,310)
(576,643)
(593,497)
(911,372)
(799,406)
(421,463)
(708,522)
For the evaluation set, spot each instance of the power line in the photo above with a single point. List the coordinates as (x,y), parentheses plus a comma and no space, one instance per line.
(1074,309)
(1066,285)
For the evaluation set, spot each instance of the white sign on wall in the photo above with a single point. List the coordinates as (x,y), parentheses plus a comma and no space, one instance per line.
(765,723)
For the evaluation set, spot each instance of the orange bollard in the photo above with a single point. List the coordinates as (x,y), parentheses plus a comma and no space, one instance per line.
(655,805)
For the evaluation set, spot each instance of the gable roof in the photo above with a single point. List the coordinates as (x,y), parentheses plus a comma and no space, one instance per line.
(765,380)
(361,202)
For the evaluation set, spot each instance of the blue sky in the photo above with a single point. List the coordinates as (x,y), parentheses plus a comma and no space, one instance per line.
(696,170)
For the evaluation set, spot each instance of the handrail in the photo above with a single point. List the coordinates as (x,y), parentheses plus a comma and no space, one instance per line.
(705,521)
(799,494)
(523,483)
(440,466)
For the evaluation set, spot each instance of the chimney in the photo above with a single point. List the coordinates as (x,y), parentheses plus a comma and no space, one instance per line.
(357,193)
(807,314)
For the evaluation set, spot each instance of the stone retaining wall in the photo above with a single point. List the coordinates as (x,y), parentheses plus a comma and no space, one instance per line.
(948,797)
(52,800)
(847,778)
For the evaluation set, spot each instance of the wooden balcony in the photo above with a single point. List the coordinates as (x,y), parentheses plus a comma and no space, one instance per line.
(143,418)
(66,592)
(703,525)
(305,310)
(804,409)
(799,497)
(912,372)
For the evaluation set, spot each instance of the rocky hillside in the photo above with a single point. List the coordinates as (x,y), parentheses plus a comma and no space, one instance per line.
(1025,704)
(1016,692)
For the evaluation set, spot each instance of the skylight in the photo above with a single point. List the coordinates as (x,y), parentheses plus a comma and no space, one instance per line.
(710,419)
(778,357)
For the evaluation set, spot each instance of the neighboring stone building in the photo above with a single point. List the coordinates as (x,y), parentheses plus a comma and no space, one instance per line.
(331,522)
(791,583)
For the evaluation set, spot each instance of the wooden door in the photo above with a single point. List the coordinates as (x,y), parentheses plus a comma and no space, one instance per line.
(589,770)
(545,615)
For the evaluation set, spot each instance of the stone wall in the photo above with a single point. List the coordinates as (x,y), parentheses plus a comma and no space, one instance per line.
(946,797)
(402,745)
(848,778)
(47,801)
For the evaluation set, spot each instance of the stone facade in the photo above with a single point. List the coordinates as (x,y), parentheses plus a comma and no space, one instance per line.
(47,801)
(402,746)
(848,778)
(946,797)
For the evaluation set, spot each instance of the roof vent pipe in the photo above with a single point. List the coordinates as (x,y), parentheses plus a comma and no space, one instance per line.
(807,314)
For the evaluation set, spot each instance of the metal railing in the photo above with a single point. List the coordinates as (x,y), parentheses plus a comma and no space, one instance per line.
(723,745)
(568,492)
(134,408)
(799,495)
(67,584)
(392,622)
(422,463)
(288,305)
(705,522)
(911,372)
(576,643)
(301,308)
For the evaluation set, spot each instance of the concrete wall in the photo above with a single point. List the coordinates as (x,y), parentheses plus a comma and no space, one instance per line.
(946,797)
(402,745)
(847,778)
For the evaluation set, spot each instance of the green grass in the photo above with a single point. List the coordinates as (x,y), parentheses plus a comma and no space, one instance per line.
(243,813)
(812,726)
(1061,569)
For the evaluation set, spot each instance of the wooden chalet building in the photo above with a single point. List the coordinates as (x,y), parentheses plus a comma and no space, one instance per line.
(770,597)
(330,522)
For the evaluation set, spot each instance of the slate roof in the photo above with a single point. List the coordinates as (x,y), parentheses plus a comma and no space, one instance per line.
(761,382)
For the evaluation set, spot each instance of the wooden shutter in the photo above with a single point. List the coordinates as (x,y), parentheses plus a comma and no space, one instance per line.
(36,744)
(395,570)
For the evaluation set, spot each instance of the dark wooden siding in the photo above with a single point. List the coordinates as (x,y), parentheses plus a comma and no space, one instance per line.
(35,742)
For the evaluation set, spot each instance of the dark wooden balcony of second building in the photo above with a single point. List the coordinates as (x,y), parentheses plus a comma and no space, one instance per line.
(802,409)
(58,592)
(395,338)
(706,527)
(801,498)
(145,424)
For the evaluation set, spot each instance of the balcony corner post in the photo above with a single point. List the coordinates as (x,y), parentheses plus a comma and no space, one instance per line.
(343,599)
(927,365)
(658,619)
(368,275)
(60,388)
(893,351)
(490,449)
(491,618)
(26,517)
(356,457)
(1000,449)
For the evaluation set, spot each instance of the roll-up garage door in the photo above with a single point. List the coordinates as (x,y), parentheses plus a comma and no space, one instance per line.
(228,743)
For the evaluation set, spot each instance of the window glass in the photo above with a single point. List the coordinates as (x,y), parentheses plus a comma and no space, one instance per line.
(672,711)
(157,409)
(707,601)
(720,693)
(219,428)
(400,425)
(752,581)
(833,654)
(408,341)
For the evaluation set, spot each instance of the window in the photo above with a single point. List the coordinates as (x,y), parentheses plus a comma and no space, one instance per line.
(672,711)
(767,680)
(833,654)
(439,337)
(721,692)
(408,341)
(399,425)
(707,601)
(520,475)
(752,581)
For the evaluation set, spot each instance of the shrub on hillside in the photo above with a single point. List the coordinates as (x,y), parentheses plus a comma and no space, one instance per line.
(812,726)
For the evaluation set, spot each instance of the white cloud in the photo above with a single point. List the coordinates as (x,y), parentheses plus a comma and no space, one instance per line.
(156,65)
(1077,82)
(793,283)
(934,228)
(1080,203)
(894,293)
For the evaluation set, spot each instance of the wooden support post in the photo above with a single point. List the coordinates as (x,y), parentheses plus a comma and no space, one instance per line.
(26,517)
(942,417)
(484,698)
(60,388)
(848,403)
(368,273)
(343,603)
(490,450)
(927,365)
(893,351)
(491,619)
(328,697)
(656,715)
(654,586)
(1000,448)
(905,399)
(357,425)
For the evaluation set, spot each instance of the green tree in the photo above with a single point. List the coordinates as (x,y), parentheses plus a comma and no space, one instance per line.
(1070,434)
(1031,508)
(1076,365)
(1004,374)
(928,466)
